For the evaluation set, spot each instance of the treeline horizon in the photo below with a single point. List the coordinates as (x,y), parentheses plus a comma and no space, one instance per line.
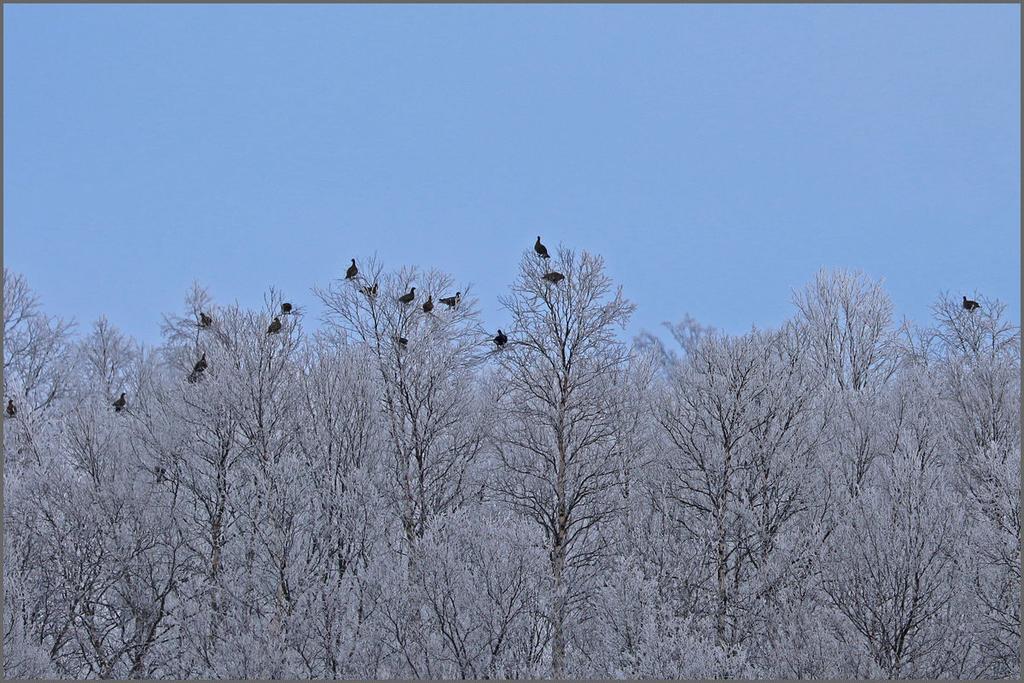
(303,299)
(408,492)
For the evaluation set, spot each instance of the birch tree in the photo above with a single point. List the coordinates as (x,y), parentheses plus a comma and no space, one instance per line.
(559,444)
(739,421)
(849,318)
(424,363)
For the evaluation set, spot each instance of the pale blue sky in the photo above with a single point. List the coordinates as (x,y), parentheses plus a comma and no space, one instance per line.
(715,155)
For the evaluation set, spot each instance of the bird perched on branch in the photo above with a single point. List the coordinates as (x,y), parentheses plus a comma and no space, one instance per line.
(501,339)
(452,301)
(408,297)
(370,291)
(428,305)
(541,249)
(352,271)
(554,277)
(970,305)
(275,326)
(402,341)
(198,369)
(11,410)
(286,308)
(204,320)
(120,404)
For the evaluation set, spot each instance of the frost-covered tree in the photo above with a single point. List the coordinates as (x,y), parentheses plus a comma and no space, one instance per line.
(36,352)
(892,570)
(559,444)
(424,363)
(848,317)
(979,377)
(393,495)
(742,438)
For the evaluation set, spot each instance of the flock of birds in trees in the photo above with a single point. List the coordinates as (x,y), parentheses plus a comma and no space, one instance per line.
(453,301)
(500,339)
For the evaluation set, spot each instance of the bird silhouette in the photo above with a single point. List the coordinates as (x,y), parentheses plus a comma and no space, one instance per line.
(501,339)
(197,369)
(970,305)
(452,301)
(204,320)
(11,410)
(286,308)
(541,249)
(402,341)
(370,291)
(554,277)
(408,297)
(428,305)
(120,404)
(352,271)
(275,326)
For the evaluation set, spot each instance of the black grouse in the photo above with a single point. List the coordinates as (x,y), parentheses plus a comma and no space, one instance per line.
(408,297)
(11,410)
(197,370)
(541,249)
(204,320)
(402,341)
(286,308)
(501,339)
(370,291)
(120,403)
(352,271)
(554,277)
(970,305)
(275,326)
(428,305)
(452,301)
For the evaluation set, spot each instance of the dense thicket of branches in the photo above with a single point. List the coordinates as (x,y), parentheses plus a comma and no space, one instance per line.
(835,498)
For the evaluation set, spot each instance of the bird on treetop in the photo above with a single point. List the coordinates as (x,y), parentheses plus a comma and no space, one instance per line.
(452,301)
(541,249)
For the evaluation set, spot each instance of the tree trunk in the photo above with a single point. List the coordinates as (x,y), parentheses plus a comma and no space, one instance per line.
(720,552)
(558,551)
(558,615)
